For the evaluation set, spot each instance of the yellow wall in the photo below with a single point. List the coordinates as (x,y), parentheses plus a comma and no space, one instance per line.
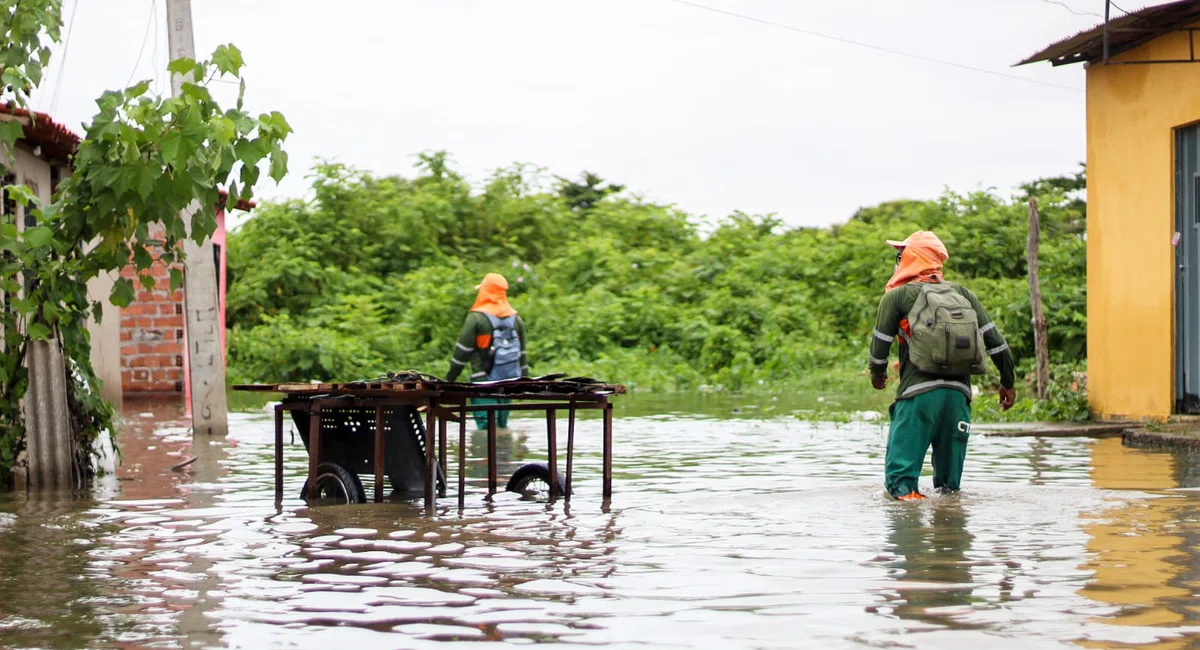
(1132,111)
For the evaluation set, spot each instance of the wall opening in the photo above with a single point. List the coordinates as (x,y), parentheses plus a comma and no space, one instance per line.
(1187,278)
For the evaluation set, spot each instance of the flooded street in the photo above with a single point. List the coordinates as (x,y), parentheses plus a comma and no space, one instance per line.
(728,532)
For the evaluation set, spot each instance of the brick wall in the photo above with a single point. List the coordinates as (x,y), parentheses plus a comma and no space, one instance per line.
(152,337)
(153,348)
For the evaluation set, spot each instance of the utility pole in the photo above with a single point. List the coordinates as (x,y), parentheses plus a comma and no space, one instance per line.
(206,359)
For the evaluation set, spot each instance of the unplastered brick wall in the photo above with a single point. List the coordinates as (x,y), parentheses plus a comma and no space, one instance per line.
(152,336)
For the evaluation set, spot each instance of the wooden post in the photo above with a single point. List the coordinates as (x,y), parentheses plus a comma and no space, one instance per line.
(1035,299)
(442,444)
(570,446)
(462,458)
(205,355)
(491,452)
(379,454)
(552,451)
(430,461)
(608,441)
(278,452)
(314,450)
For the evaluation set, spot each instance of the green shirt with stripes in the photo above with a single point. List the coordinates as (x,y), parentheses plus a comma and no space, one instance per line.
(893,308)
(468,353)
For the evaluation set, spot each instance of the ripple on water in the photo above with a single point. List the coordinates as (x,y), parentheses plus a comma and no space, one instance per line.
(770,534)
(355,532)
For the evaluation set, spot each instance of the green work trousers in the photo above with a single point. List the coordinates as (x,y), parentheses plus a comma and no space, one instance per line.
(941,418)
(481,417)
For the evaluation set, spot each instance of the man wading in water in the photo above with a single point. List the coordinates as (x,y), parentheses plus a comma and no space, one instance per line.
(492,341)
(945,336)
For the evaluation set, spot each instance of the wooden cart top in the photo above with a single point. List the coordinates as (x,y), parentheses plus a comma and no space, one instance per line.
(413,385)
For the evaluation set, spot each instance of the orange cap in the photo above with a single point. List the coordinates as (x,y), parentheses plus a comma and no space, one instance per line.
(493,280)
(923,239)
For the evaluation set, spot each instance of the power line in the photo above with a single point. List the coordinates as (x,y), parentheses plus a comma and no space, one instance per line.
(868,46)
(145,39)
(1117,8)
(1073,9)
(157,61)
(62,66)
(57,71)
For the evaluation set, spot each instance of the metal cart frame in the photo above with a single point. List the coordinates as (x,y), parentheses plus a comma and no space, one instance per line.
(442,403)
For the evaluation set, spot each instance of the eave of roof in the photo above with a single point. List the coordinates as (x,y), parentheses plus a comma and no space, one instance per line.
(1124,33)
(57,142)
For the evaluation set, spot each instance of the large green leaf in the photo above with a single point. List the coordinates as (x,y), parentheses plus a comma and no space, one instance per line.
(122,292)
(10,131)
(39,332)
(228,59)
(38,236)
(169,145)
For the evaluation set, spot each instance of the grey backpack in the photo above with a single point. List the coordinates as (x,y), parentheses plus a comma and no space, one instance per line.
(945,340)
(505,353)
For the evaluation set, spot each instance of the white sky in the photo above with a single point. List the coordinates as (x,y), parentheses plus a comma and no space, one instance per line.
(684,106)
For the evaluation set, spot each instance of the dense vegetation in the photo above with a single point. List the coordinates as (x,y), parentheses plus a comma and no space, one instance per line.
(375,274)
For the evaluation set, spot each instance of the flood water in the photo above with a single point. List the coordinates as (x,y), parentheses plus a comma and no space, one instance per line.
(725,531)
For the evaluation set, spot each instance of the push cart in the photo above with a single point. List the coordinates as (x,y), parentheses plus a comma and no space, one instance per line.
(387,428)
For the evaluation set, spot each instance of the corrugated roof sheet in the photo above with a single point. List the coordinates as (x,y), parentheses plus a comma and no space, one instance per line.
(58,143)
(50,444)
(1124,33)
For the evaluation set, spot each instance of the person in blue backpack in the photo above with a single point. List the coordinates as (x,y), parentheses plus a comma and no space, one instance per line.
(492,342)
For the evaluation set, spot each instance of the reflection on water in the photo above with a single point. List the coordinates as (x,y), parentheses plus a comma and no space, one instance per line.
(931,568)
(763,533)
(1143,551)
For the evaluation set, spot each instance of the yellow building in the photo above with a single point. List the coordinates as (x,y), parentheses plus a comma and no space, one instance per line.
(1143,169)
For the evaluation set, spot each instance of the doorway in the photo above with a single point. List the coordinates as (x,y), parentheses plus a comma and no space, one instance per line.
(1187,279)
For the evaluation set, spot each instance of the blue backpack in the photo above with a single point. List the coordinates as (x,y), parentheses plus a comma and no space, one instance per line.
(505,352)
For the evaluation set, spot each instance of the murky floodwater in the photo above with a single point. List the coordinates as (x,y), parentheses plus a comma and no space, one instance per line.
(723,533)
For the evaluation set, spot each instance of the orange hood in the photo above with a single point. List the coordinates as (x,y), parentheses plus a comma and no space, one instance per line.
(493,297)
(921,259)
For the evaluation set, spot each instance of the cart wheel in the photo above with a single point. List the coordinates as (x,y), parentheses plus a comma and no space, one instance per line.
(533,480)
(336,485)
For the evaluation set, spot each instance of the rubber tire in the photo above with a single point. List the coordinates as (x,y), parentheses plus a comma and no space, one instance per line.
(535,471)
(349,480)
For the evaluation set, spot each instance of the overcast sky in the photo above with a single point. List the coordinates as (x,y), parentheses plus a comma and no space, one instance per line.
(707,111)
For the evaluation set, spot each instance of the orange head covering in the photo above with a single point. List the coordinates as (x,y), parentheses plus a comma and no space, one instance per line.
(921,259)
(493,296)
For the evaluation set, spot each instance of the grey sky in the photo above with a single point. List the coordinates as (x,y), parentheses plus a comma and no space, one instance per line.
(684,106)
